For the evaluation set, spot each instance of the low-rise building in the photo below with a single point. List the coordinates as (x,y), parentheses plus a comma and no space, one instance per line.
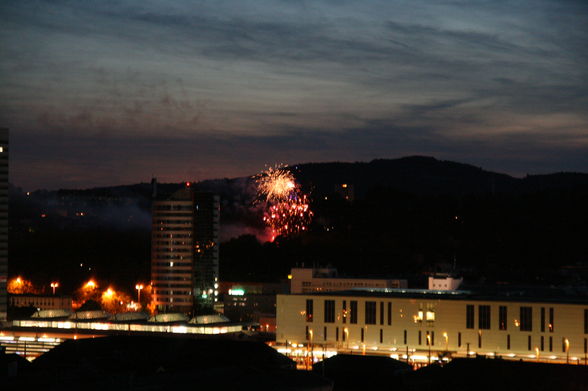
(251,301)
(43,302)
(326,279)
(427,325)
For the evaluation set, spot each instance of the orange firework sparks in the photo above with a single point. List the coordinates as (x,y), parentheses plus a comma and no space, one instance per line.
(287,208)
(275,184)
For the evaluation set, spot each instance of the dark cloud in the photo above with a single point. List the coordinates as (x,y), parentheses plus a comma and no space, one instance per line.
(103,92)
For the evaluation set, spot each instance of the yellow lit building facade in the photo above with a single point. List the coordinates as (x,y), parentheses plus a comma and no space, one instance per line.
(422,324)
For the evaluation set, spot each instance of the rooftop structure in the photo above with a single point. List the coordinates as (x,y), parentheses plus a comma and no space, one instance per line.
(307,280)
(444,282)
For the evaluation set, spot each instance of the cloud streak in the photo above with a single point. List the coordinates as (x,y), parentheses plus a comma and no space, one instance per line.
(219,89)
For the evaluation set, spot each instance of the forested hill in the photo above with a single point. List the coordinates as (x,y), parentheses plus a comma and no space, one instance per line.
(406,215)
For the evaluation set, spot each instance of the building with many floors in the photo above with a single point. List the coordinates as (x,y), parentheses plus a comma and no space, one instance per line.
(184,257)
(3,223)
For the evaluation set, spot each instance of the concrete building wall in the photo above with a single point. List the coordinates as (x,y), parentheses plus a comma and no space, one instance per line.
(184,255)
(3,223)
(448,331)
(206,245)
(172,259)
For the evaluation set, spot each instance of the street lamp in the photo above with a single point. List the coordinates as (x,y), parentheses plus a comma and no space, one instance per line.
(567,343)
(54,285)
(138,287)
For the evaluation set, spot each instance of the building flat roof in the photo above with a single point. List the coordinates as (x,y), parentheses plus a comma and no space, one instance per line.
(510,294)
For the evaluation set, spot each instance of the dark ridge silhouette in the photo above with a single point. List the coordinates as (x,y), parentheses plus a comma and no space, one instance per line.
(408,216)
(413,174)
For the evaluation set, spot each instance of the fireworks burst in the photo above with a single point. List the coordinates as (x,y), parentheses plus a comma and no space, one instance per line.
(287,208)
(275,184)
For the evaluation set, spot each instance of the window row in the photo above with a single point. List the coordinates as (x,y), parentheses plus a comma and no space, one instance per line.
(524,323)
(168,236)
(173,207)
(165,221)
(371,312)
(427,338)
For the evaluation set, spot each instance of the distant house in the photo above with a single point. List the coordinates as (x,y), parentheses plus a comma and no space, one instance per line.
(43,302)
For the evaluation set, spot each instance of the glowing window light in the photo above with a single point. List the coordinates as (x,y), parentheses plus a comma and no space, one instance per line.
(417,357)
(100,326)
(180,329)
(45,339)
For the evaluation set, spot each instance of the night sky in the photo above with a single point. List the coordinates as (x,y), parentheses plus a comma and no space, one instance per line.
(112,92)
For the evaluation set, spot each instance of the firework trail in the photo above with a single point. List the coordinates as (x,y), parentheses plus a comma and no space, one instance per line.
(287,209)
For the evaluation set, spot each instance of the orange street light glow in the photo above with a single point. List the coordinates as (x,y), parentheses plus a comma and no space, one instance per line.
(91,284)
(138,287)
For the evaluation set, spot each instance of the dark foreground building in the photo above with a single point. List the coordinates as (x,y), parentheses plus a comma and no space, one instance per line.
(163,363)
